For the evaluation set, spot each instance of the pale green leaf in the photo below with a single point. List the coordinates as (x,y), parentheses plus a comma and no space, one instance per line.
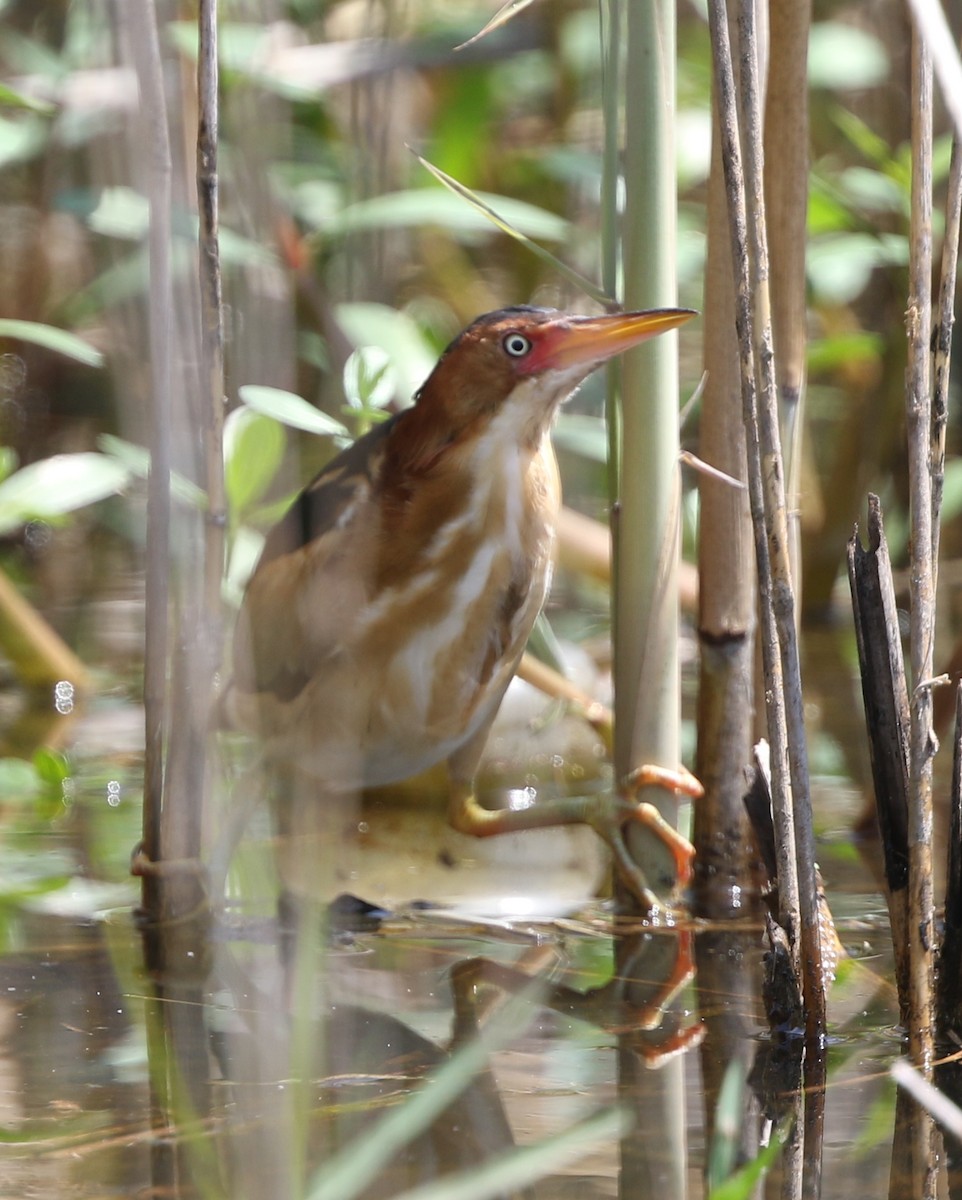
(432,206)
(397,334)
(137,461)
(58,485)
(52,338)
(290,409)
(844,57)
(253,451)
(10,98)
(369,380)
(122,213)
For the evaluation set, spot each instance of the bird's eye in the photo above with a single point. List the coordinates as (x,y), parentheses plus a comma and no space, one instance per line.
(516,344)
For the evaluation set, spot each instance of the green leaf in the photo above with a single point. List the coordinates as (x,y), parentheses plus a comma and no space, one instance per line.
(952,489)
(873,191)
(741,1185)
(253,451)
(52,338)
(844,349)
(290,409)
(369,380)
(10,98)
(51,766)
(58,485)
(9,462)
(22,138)
(840,265)
(397,334)
(137,461)
(844,57)
(433,206)
(18,778)
(122,213)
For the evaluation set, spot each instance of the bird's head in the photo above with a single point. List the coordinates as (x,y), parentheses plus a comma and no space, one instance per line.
(521,363)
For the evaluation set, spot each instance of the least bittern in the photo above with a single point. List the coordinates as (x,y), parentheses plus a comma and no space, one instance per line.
(391,605)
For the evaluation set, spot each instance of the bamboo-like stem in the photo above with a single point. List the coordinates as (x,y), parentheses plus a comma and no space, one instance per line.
(646,546)
(154,107)
(919,423)
(212,337)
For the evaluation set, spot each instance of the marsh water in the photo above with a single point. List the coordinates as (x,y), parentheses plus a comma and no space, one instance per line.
(227,1074)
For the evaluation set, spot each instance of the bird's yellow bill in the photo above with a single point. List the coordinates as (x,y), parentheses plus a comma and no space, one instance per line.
(584,340)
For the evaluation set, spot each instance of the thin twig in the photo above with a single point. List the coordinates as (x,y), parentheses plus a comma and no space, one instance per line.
(146,45)
(212,337)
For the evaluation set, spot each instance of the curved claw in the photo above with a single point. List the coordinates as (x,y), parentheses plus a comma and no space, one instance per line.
(678,780)
(680,849)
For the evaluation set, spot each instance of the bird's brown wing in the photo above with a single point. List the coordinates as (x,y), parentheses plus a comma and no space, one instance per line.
(312,577)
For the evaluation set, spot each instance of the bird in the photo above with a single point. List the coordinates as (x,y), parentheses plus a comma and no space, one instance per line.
(392,603)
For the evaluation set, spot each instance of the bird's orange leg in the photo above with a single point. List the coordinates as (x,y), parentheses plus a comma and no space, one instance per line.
(607,815)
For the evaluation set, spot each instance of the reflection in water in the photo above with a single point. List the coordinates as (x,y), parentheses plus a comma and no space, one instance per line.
(245,1098)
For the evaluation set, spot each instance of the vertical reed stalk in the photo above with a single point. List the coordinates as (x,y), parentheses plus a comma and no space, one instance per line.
(919,424)
(790,784)
(647,680)
(776,522)
(146,45)
(726,571)
(212,335)
(646,546)
(786,203)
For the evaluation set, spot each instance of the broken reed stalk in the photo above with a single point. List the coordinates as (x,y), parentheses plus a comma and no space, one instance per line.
(887,721)
(212,333)
(153,107)
(798,904)
(919,428)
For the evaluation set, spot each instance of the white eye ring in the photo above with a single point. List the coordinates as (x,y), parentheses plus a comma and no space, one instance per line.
(516,344)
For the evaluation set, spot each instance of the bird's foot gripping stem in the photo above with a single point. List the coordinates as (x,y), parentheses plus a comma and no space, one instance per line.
(609,816)
(612,828)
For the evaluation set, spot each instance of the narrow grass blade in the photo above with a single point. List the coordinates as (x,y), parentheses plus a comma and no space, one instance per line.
(583,284)
(510,1172)
(501,17)
(347,1173)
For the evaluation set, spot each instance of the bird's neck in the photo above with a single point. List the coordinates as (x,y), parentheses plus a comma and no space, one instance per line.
(492,484)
